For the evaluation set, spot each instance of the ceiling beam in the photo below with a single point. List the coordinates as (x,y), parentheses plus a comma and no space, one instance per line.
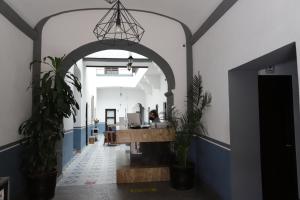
(105,66)
(115,59)
(16,20)
(212,19)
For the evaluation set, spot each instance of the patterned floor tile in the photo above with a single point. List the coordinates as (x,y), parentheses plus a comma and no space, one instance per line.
(96,164)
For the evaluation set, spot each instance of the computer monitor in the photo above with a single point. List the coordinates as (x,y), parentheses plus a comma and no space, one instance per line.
(134,119)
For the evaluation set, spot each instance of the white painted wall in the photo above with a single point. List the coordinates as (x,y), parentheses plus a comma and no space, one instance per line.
(77,94)
(157,97)
(124,100)
(82,103)
(164,36)
(68,122)
(248,30)
(91,91)
(15,77)
(88,90)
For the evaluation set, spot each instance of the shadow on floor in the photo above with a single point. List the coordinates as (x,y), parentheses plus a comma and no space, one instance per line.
(140,191)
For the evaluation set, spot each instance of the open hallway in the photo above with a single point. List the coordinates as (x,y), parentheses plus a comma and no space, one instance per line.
(91,175)
(96,164)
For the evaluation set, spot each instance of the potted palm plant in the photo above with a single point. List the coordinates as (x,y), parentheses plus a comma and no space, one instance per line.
(44,128)
(187,126)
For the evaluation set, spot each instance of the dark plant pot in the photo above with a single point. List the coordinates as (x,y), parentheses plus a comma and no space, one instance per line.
(42,187)
(182,178)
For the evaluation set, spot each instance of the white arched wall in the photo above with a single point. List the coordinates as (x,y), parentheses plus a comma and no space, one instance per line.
(66,32)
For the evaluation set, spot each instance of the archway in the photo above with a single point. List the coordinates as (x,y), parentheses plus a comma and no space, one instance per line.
(96,46)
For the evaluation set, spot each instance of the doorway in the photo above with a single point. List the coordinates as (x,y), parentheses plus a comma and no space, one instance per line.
(110,119)
(249,164)
(277,138)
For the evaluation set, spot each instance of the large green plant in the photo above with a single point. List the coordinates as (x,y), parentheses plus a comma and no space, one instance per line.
(45,126)
(189,124)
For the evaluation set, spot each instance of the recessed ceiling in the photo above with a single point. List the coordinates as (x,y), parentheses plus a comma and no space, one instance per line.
(191,12)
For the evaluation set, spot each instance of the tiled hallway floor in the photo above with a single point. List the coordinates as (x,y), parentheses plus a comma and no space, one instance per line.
(96,164)
(91,175)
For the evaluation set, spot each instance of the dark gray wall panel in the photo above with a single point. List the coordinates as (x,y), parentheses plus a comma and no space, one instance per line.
(244,136)
(10,165)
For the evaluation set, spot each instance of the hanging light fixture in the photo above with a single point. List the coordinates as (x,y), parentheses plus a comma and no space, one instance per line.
(118,24)
(130,62)
(110,1)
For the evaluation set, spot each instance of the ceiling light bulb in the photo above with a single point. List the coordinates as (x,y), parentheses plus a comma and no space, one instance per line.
(130,59)
(129,66)
(118,28)
(111,1)
(118,25)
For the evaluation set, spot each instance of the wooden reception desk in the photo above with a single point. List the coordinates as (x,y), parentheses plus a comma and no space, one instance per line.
(145,135)
(132,172)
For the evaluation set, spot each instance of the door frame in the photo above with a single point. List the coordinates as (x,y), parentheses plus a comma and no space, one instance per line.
(244,122)
(115,117)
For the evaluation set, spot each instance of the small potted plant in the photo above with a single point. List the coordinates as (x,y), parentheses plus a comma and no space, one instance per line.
(44,128)
(187,126)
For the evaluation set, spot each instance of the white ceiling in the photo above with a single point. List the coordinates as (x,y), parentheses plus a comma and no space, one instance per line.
(191,12)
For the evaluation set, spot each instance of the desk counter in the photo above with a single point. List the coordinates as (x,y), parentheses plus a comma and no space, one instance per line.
(145,135)
(151,165)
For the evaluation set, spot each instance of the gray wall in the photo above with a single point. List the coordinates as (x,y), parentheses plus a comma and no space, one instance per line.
(244,132)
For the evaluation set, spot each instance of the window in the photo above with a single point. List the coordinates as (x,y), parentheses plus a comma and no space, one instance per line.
(111,70)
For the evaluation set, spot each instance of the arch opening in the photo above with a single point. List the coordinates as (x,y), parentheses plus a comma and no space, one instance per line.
(97,46)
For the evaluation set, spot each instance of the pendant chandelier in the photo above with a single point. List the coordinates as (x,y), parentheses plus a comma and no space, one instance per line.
(111,1)
(118,24)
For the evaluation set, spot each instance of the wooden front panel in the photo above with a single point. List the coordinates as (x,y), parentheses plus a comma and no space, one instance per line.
(143,174)
(145,135)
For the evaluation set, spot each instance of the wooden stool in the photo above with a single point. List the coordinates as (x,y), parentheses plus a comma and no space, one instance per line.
(110,137)
(92,139)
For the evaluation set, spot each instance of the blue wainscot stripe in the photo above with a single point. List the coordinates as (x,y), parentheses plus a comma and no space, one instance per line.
(68,147)
(90,129)
(79,138)
(83,138)
(10,165)
(101,127)
(212,163)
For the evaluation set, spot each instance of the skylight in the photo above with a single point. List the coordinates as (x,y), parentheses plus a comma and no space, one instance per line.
(115,54)
(109,68)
